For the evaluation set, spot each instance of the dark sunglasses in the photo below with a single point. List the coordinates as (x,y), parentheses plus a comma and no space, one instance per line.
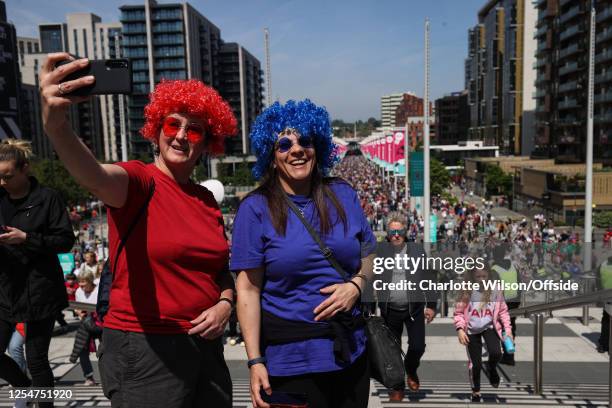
(400,232)
(194,133)
(284,144)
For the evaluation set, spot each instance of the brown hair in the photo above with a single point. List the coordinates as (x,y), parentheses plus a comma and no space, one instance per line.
(465,295)
(320,193)
(17,150)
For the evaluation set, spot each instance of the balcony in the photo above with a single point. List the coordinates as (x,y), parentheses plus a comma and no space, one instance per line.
(568,86)
(568,120)
(542,46)
(603,117)
(571,13)
(127,16)
(603,36)
(569,68)
(570,50)
(540,62)
(540,93)
(605,77)
(541,3)
(604,56)
(604,15)
(541,31)
(570,32)
(134,29)
(567,104)
(603,97)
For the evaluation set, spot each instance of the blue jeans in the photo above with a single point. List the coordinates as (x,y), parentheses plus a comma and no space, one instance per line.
(86,363)
(15,350)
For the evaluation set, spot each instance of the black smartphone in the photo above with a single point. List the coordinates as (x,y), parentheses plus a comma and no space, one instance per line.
(113,76)
(285,399)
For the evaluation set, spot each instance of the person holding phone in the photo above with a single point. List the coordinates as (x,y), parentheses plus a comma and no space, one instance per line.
(289,294)
(171,293)
(35,228)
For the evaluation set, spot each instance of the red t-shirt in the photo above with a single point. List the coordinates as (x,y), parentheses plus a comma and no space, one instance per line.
(166,273)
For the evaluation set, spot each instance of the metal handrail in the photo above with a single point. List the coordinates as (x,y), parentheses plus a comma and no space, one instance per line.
(537,313)
(580,300)
(87,307)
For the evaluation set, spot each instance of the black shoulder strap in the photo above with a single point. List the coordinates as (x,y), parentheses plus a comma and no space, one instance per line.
(327,252)
(133,225)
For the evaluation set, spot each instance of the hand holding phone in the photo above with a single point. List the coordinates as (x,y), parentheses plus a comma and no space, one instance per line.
(112,76)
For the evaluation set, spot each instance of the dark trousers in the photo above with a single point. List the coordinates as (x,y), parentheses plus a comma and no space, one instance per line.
(348,388)
(171,370)
(604,336)
(475,353)
(38,338)
(414,320)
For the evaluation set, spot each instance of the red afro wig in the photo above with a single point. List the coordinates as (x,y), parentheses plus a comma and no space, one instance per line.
(194,98)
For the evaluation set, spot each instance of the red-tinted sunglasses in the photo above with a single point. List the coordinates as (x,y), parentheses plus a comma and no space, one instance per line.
(171,126)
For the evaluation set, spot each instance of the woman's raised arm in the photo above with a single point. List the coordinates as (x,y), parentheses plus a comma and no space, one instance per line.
(108,182)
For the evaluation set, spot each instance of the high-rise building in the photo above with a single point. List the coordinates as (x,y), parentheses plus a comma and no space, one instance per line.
(31,124)
(175,41)
(388,105)
(562,80)
(410,106)
(96,121)
(452,118)
(10,89)
(240,83)
(53,37)
(25,46)
(500,75)
(113,108)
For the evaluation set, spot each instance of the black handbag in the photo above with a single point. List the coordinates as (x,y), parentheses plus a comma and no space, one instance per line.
(384,350)
(108,271)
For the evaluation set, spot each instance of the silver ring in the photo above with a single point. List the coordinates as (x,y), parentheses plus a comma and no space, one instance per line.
(59,87)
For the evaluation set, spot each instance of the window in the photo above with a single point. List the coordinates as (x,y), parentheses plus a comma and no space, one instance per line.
(76,41)
(85,43)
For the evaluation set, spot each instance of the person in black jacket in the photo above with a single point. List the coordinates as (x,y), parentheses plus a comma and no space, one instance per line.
(405,308)
(34,229)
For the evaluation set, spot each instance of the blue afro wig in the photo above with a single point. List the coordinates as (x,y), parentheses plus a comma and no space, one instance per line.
(307,119)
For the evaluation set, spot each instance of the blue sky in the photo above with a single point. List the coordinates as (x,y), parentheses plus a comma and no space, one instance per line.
(341,54)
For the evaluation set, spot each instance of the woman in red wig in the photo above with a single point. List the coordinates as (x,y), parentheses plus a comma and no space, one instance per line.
(171,293)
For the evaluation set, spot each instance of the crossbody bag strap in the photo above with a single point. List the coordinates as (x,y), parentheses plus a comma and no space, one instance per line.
(327,252)
(133,225)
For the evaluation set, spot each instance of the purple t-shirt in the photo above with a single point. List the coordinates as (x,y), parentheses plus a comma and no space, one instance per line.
(295,271)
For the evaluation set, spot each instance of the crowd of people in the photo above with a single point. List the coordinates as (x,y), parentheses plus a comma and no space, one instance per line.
(302,249)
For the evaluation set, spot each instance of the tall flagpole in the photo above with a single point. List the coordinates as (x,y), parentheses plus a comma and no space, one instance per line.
(426,192)
(588,202)
(268,73)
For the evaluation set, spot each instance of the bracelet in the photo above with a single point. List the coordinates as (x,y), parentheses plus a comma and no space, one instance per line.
(357,286)
(258,360)
(224,299)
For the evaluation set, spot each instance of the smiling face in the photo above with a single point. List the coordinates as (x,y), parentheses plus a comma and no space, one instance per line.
(294,165)
(181,141)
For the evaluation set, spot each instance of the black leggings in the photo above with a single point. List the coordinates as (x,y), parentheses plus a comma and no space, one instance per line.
(38,339)
(348,388)
(475,354)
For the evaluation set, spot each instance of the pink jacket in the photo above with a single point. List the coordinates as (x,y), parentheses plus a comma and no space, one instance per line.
(501,317)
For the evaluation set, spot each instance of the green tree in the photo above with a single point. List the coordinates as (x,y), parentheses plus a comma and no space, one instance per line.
(53,174)
(439,177)
(603,219)
(497,181)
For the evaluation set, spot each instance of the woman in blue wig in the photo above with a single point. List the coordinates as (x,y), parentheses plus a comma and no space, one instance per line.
(296,311)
